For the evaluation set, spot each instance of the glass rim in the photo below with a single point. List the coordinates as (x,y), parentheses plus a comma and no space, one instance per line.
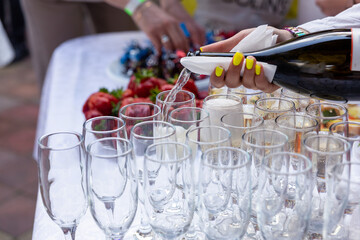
(111,139)
(334,125)
(137,136)
(264,146)
(297,98)
(105,118)
(244,153)
(123,116)
(192,108)
(312,150)
(304,129)
(293,108)
(73,133)
(232,91)
(326,118)
(227,96)
(187,156)
(337,175)
(192,97)
(207,143)
(307,169)
(242,113)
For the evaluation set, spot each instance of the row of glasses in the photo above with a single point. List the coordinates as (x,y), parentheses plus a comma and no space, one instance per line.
(191,118)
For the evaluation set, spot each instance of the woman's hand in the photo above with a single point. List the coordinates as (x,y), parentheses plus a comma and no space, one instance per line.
(162,28)
(175,9)
(253,76)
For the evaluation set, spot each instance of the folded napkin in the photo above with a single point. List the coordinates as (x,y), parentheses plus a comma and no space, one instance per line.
(260,38)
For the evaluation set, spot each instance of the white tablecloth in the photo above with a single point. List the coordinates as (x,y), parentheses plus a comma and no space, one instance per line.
(77,69)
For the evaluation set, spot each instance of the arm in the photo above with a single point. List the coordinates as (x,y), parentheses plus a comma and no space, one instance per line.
(349,18)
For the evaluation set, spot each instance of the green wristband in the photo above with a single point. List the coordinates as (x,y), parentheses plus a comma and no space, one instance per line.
(132,6)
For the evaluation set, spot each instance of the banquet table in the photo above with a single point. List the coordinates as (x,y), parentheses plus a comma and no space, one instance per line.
(77,69)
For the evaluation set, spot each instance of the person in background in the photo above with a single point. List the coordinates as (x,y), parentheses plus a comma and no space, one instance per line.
(333,7)
(52,22)
(253,76)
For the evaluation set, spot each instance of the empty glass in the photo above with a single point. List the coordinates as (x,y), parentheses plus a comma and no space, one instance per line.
(295,126)
(260,143)
(301,101)
(248,97)
(139,112)
(324,151)
(342,207)
(349,131)
(186,117)
(62,179)
(169,188)
(219,105)
(327,114)
(284,202)
(103,127)
(112,185)
(224,193)
(239,123)
(143,135)
(182,99)
(270,108)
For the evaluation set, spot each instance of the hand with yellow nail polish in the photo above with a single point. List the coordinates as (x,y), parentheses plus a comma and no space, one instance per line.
(253,76)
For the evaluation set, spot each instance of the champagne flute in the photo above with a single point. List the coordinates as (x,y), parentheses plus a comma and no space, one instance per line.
(103,127)
(301,101)
(182,99)
(284,203)
(186,117)
(142,135)
(200,139)
(112,184)
(327,114)
(239,123)
(296,126)
(248,97)
(62,179)
(169,188)
(225,193)
(349,131)
(325,151)
(259,143)
(220,104)
(139,112)
(342,206)
(272,107)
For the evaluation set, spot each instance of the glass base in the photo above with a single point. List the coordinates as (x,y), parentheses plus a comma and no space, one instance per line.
(136,233)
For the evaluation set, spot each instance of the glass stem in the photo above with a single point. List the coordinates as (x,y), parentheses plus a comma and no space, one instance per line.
(69,232)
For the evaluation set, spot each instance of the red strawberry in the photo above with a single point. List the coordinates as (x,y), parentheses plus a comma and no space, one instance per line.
(92,113)
(102,102)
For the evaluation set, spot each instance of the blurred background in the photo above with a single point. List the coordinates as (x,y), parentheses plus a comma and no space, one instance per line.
(19,106)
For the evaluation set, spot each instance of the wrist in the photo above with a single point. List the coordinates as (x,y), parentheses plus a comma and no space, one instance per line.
(296,31)
(133,5)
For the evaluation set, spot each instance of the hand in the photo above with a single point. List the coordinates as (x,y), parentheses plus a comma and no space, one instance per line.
(160,27)
(175,9)
(253,76)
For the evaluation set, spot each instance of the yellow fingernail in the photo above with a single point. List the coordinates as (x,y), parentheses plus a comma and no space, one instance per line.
(201,49)
(237,58)
(218,71)
(257,69)
(249,63)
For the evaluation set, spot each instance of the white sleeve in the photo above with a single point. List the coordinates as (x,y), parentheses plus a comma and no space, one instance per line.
(347,19)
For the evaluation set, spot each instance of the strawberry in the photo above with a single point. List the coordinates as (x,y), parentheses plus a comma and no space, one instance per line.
(92,113)
(143,81)
(166,87)
(203,94)
(100,101)
(130,100)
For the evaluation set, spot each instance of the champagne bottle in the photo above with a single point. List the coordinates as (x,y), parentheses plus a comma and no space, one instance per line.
(323,65)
